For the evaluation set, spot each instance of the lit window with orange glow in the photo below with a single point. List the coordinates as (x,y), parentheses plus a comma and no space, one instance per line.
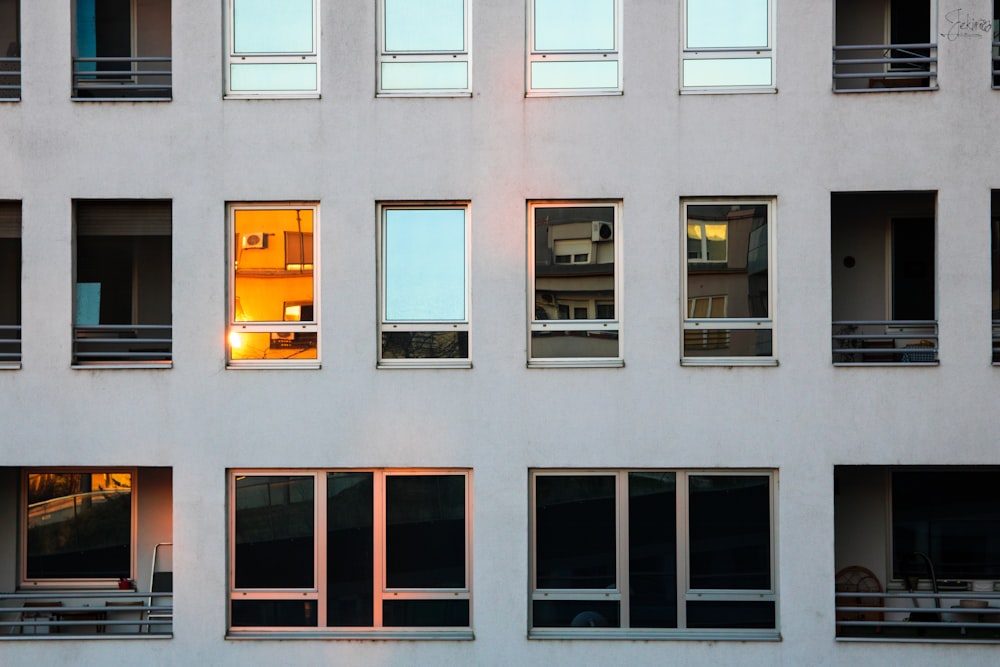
(424,48)
(574,47)
(574,306)
(273,294)
(424,285)
(728,316)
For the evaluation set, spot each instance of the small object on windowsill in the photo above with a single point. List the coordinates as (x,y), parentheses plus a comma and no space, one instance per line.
(126,584)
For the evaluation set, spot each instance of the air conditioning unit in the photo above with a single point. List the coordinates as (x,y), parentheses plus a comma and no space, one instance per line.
(254,240)
(602,231)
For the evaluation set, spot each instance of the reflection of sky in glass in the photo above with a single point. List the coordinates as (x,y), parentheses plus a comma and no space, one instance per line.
(424,25)
(573,25)
(424,264)
(425,76)
(272,76)
(564,74)
(727,72)
(273,26)
(726,23)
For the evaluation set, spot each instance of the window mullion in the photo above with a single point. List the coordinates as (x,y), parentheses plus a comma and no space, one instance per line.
(319,551)
(683,582)
(378,548)
(622,498)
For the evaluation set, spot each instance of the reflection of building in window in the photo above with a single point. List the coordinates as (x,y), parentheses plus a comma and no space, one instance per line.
(574,313)
(273,48)
(10,284)
(342,552)
(123,283)
(727,45)
(424,47)
(424,285)
(727,282)
(608,551)
(274,318)
(574,47)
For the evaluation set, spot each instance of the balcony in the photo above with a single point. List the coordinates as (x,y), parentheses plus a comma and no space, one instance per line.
(883,277)
(10,345)
(135,79)
(57,614)
(110,345)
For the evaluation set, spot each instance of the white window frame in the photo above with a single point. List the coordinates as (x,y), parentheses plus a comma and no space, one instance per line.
(590,324)
(706,325)
(387,326)
(383,55)
(727,53)
(233,58)
(89,582)
(235,327)
(380,593)
(685,593)
(580,55)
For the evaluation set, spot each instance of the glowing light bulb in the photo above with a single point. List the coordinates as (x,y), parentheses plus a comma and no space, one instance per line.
(235,340)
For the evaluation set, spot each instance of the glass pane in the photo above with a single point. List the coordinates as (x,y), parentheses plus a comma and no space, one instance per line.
(953,516)
(557,75)
(726,24)
(704,342)
(425,531)
(79,525)
(273,26)
(273,613)
(424,25)
(425,76)
(272,344)
(652,548)
(731,614)
(575,531)
(727,72)
(424,264)
(275,529)
(730,532)
(564,284)
(425,345)
(727,261)
(574,25)
(575,614)
(574,344)
(425,613)
(350,548)
(273,77)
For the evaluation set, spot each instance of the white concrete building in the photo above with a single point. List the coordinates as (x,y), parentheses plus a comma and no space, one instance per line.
(487,333)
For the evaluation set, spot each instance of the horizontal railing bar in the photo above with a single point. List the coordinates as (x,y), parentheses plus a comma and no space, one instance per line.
(887,61)
(73,595)
(123,59)
(927,323)
(861,47)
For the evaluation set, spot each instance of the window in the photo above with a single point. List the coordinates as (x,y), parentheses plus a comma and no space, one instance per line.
(574,47)
(273,48)
(122,50)
(424,47)
(573,307)
(424,291)
(273,286)
(10,50)
(123,284)
(995,272)
(10,284)
(351,553)
(727,46)
(728,318)
(653,554)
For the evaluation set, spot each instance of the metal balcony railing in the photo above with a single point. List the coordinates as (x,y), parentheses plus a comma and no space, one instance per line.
(10,344)
(919,616)
(885,343)
(61,613)
(137,79)
(996,64)
(996,341)
(124,345)
(10,78)
(875,67)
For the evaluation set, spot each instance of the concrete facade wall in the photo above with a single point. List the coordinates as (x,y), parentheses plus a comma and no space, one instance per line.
(649,148)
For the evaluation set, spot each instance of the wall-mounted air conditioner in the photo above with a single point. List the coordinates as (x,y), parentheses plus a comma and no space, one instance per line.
(602,231)
(254,240)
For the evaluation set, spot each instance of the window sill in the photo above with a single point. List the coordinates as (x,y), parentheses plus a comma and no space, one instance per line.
(272,365)
(271,96)
(123,365)
(576,363)
(729,361)
(766,90)
(640,634)
(575,92)
(389,364)
(54,637)
(424,93)
(10,366)
(464,634)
